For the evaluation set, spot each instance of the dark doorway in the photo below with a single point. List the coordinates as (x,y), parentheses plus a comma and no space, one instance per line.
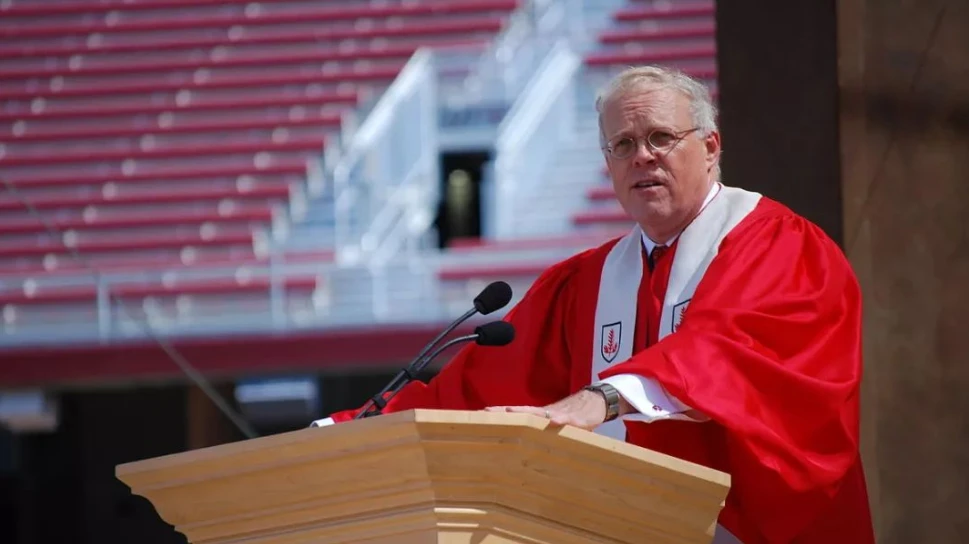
(459,213)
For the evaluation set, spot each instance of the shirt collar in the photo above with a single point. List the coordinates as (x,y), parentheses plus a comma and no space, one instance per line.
(649,244)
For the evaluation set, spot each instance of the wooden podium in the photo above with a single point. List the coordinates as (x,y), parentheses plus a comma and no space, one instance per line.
(432,476)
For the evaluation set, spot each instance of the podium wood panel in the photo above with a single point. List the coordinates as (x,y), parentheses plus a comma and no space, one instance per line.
(432,476)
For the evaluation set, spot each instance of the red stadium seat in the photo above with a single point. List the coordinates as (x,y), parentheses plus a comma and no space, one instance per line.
(672,11)
(615,216)
(601,192)
(42,9)
(417,30)
(188,258)
(651,33)
(228,57)
(699,57)
(507,271)
(161,173)
(238,80)
(122,242)
(175,124)
(128,221)
(579,240)
(183,102)
(121,197)
(118,21)
(34,296)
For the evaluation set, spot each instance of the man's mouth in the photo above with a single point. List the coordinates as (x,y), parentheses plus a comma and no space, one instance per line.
(646,184)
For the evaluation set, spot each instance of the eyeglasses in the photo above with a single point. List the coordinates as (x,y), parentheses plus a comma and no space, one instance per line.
(659,141)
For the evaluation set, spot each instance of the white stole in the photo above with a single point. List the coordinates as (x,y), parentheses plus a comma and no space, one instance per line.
(697,245)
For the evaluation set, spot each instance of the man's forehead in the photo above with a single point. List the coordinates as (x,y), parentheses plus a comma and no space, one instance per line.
(645,105)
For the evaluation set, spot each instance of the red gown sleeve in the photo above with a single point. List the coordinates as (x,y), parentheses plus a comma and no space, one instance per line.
(770,348)
(533,369)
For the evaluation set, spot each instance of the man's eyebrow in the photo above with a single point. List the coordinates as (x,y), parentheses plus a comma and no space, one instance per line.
(621,133)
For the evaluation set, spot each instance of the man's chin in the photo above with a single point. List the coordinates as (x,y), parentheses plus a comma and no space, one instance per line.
(653,213)
(654,221)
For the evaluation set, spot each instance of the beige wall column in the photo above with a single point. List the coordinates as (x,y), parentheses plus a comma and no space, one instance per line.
(904,83)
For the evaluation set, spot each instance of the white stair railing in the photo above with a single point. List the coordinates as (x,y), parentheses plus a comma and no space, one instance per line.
(510,61)
(389,170)
(535,128)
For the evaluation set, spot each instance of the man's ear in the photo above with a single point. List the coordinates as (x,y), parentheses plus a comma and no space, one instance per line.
(712,145)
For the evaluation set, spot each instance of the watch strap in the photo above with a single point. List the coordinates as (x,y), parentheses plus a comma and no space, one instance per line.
(611,396)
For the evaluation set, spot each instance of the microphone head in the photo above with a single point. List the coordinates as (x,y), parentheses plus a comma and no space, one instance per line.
(493,297)
(496,333)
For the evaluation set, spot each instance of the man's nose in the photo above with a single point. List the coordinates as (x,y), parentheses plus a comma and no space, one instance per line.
(644,154)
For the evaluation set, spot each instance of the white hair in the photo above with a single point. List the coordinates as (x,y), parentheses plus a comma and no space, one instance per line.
(702,109)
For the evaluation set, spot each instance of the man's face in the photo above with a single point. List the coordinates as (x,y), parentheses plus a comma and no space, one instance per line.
(661,190)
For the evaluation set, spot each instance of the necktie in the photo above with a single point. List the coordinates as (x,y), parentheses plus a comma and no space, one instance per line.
(655,255)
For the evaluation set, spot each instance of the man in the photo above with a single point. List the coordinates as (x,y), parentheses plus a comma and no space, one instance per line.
(724,330)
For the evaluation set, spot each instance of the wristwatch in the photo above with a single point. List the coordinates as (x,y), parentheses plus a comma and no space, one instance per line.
(611,395)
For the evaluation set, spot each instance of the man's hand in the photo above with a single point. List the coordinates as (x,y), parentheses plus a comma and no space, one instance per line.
(585,409)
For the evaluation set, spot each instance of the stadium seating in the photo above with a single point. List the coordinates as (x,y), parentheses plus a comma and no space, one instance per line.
(169,134)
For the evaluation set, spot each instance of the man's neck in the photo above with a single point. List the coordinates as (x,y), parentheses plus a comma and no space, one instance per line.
(652,238)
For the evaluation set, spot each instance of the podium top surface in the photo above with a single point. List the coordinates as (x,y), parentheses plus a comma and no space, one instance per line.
(434,461)
(372,431)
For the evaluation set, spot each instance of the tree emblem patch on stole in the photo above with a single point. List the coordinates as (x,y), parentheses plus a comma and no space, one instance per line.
(678,311)
(611,338)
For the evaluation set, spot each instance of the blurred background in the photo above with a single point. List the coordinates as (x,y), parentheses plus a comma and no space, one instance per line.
(290,197)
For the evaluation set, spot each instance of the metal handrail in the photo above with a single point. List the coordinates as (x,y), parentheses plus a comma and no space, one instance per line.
(539,121)
(380,154)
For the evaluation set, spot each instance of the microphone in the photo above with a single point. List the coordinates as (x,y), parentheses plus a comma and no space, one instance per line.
(495,296)
(496,333)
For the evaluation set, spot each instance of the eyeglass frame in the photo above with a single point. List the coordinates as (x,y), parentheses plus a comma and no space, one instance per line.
(678,136)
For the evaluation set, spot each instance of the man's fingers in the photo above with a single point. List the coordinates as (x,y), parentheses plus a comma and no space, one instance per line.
(555,416)
(566,419)
(518,409)
(560,419)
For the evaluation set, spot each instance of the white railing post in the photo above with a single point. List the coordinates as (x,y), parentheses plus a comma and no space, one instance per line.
(277,291)
(104,310)
(389,151)
(534,128)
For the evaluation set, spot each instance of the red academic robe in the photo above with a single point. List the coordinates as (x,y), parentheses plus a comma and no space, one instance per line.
(769,349)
